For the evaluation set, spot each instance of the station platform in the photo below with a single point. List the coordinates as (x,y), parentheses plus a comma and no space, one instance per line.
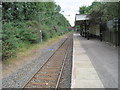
(84,74)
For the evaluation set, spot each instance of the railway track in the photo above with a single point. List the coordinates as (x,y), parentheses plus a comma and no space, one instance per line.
(49,74)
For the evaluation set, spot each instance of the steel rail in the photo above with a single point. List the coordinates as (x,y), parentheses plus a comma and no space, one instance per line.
(61,71)
(23,87)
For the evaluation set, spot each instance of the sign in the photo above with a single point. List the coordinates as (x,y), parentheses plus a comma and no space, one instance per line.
(110,25)
(40,31)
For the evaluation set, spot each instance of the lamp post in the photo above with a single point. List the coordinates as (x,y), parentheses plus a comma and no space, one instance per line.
(41,36)
(40,26)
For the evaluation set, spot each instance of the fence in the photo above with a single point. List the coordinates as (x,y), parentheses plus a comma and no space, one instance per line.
(111,32)
(111,36)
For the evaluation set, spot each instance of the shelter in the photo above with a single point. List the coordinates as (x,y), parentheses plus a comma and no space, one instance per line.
(81,20)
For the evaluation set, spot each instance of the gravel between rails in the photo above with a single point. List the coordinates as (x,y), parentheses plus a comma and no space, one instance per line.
(65,81)
(22,75)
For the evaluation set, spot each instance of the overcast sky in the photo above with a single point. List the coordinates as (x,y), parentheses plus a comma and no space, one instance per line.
(71,7)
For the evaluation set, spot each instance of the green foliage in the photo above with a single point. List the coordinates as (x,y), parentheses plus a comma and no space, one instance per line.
(10,42)
(105,10)
(21,24)
(110,11)
(89,9)
(84,10)
(14,35)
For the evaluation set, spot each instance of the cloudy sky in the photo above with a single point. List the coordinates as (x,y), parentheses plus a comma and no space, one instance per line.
(71,7)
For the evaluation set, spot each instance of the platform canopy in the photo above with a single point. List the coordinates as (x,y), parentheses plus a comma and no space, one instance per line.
(79,18)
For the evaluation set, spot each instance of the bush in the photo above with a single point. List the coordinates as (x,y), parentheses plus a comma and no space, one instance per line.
(14,35)
(9,41)
(25,19)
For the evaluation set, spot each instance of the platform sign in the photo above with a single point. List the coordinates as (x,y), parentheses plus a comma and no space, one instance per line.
(110,25)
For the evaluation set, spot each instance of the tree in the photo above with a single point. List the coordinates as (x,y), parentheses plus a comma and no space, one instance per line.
(21,24)
(105,10)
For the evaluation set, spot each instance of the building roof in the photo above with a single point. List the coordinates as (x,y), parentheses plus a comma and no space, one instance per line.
(80,17)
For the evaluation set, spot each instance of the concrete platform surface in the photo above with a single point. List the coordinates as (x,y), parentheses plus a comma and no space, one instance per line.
(84,74)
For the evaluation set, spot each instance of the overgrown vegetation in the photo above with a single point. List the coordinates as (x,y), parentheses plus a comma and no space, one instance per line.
(22,22)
